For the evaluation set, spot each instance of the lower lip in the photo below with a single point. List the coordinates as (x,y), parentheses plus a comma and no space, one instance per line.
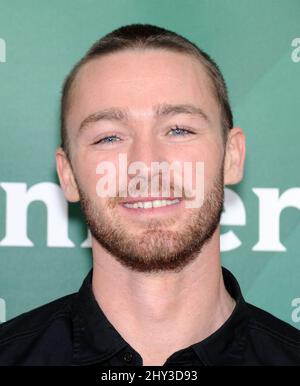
(158,210)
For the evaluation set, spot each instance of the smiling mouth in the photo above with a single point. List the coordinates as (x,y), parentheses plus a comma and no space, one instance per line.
(150,204)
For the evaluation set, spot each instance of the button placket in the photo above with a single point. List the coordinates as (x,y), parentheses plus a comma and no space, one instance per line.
(127,357)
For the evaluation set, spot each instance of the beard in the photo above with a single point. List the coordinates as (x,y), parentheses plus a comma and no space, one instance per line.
(156,248)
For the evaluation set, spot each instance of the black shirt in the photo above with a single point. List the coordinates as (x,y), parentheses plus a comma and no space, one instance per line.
(73,330)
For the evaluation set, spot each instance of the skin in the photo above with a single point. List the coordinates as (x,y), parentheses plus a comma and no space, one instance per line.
(172,310)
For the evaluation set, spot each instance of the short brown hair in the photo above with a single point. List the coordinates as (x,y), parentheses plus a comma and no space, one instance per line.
(141,36)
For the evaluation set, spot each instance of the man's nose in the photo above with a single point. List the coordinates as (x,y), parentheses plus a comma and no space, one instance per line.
(144,152)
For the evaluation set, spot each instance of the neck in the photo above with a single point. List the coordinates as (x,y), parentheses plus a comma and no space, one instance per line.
(170,310)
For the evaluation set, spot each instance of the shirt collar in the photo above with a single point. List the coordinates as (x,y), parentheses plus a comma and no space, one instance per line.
(227,344)
(96,339)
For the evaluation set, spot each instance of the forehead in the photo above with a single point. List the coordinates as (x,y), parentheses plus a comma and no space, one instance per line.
(137,80)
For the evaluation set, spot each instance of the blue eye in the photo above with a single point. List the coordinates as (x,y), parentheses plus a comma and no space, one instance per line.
(109,139)
(179,131)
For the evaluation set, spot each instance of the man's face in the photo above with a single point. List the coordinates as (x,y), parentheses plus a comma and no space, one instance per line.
(137,82)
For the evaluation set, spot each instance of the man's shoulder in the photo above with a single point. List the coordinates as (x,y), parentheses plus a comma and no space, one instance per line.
(36,320)
(273,334)
(273,326)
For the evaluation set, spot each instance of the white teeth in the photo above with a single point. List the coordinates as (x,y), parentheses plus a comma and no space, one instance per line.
(151,204)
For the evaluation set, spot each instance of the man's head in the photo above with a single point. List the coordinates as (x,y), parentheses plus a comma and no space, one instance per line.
(133,91)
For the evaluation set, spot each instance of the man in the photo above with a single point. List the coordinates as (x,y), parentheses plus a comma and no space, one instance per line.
(157,293)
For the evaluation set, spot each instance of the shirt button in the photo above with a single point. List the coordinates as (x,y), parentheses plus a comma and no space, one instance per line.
(127,356)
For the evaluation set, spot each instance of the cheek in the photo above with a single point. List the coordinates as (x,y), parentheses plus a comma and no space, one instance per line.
(86,173)
(213,171)
(209,157)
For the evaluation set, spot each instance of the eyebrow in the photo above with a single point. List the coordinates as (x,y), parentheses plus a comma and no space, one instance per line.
(161,110)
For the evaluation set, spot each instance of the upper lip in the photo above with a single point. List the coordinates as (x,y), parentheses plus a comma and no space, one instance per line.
(131,200)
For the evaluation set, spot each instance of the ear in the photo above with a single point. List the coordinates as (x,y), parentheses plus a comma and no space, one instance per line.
(235,156)
(66,176)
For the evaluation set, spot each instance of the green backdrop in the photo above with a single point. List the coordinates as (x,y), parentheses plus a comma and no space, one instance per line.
(257,45)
